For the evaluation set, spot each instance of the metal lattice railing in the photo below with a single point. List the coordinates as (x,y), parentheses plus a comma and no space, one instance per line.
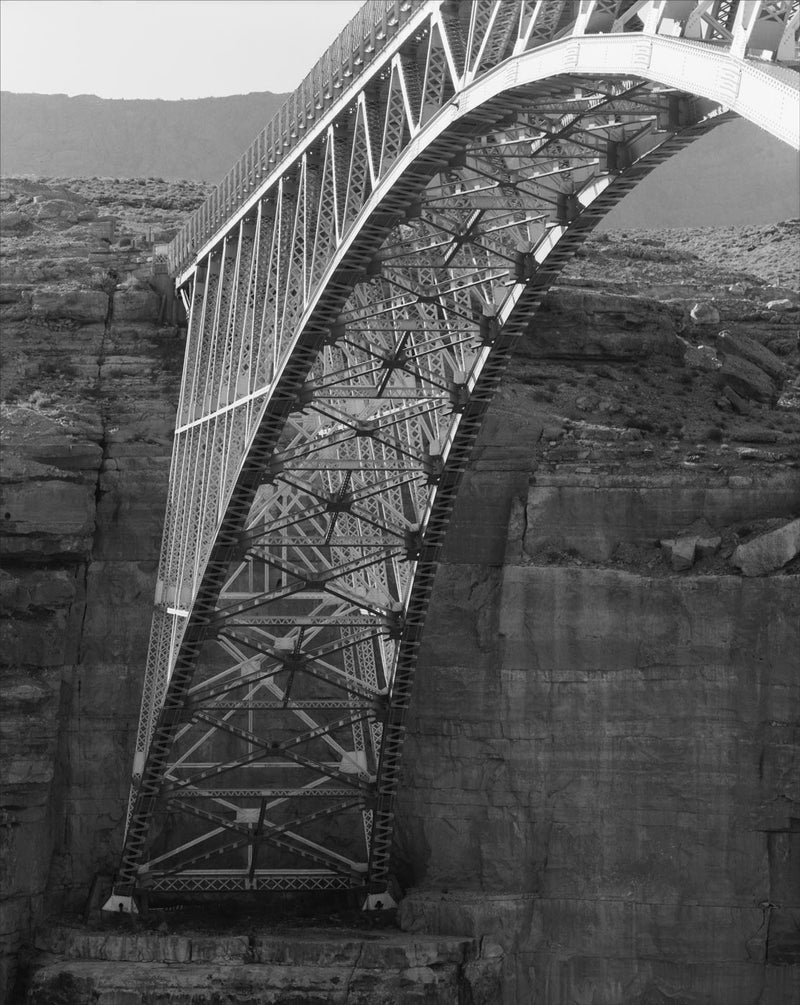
(361,42)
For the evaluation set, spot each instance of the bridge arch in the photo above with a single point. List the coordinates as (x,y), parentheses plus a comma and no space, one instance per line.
(348,322)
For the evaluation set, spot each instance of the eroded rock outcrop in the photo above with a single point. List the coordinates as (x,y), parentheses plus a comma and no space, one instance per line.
(351,967)
(768,552)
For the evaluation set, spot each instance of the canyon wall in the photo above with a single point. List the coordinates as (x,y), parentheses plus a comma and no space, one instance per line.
(90,381)
(601,764)
(601,768)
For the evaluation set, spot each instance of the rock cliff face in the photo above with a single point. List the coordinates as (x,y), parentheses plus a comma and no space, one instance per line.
(601,770)
(347,966)
(89,385)
(601,764)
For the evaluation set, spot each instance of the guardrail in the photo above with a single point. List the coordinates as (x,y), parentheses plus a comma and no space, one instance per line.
(359,44)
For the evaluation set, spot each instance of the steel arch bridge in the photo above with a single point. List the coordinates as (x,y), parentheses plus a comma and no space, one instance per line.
(355,287)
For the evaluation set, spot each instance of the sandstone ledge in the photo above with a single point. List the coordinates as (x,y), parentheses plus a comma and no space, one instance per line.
(338,967)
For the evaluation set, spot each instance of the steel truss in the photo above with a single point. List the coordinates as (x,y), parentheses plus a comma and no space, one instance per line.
(350,315)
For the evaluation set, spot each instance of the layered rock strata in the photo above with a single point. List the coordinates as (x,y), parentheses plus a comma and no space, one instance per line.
(600,768)
(89,385)
(599,771)
(339,968)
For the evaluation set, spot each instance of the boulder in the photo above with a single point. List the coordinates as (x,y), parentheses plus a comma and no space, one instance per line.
(768,552)
(739,403)
(704,314)
(681,553)
(708,544)
(10,294)
(57,209)
(784,304)
(696,541)
(12,220)
(706,540)
(730,344)
(748,380)
(586,402)
(701,357)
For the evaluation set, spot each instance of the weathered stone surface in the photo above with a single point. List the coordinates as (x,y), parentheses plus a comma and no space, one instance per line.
(706,540)
(592,516)
(738,344)
(592,324)
(705,314)
(36,592)
(232,949)
(681,552)
(334,967)
(29,731)
(12,220)
(701,357)
(503,913)
(747,379)
(739,403)
(612,838)
(698,540)
(135,305)
(137,948)
(83,306)
(59,514)
(85,462)
(768,552)
(57,209)
(643,973)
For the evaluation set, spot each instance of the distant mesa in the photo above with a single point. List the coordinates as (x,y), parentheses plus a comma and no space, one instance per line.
(53,135)
(711,183)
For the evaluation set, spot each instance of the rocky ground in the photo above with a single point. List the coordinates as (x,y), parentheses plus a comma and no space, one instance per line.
(646,444)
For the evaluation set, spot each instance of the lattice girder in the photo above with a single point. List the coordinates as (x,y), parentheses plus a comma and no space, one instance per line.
(347,328)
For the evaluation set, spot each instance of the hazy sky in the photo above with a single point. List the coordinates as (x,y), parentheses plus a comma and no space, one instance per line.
(164,48)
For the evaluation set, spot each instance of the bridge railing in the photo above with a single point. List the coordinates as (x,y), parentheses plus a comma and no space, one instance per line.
(358,45)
